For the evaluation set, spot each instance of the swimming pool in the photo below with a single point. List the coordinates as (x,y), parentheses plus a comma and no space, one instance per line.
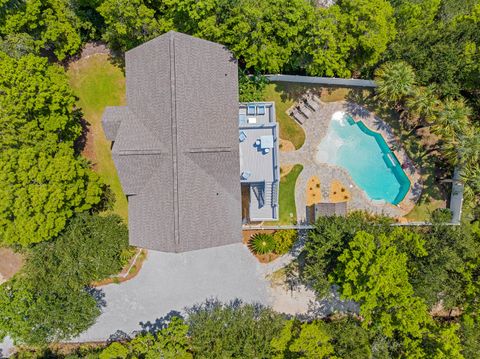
(367,158)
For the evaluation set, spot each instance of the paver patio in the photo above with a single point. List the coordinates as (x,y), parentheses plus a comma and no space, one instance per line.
(316,128)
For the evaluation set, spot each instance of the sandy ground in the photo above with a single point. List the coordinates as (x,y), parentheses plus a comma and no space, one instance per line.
(286,146)
(302,301)
(285,170)
(10,263)
(339,192)
(314,193)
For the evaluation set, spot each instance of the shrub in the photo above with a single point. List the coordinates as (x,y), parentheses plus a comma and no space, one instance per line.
(232,330)
(284,240)
(262,243)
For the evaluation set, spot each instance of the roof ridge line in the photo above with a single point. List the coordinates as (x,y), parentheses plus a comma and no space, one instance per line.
(140,152)
(173,119)
(209,149)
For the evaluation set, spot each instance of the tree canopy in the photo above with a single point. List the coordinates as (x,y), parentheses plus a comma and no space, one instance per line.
(36,104)
(40,191)
(232,330)
(43,181)
(47,301)
(50,25)
(427,31)
(397,275)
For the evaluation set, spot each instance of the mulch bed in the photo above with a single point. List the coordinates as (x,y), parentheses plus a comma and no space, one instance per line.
(135,269)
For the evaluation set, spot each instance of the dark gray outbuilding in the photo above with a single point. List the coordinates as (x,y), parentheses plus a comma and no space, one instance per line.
(176,144)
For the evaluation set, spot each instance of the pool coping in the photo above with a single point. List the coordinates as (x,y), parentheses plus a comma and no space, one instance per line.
(376,124)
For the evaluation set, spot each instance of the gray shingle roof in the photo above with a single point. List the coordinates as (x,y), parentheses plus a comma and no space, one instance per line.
(176,144)
(330,209)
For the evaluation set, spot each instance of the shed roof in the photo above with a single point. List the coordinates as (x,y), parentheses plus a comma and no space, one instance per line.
(330,209)
(176,144)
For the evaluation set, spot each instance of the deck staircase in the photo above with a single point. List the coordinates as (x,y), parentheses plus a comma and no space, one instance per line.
(271,193)
(275,193)
(259,193)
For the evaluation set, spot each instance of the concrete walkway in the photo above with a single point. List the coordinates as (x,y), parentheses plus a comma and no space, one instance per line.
(456,198)
(315,129)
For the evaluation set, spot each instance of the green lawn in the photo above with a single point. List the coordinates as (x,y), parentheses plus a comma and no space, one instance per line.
(286,197)
(97,83)
(422,211)
(284,95)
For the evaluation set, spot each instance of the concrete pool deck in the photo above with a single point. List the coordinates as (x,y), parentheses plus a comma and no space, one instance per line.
(315,130)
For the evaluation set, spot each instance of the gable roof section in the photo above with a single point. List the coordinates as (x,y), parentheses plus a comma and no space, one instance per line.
(176,144)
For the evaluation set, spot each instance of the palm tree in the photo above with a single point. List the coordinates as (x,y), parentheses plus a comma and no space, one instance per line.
(423,105)
(468,148)
(451,120)
(471,178)
(395,81)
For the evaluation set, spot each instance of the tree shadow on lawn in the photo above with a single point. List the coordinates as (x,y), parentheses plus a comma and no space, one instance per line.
(117,59)
(81,141)
(292,91)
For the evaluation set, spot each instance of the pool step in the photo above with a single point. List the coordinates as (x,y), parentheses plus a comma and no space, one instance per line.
(390,160)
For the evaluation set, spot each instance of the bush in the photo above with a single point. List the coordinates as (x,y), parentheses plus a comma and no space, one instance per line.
(262,243)
(284,240)
(232,330)
(441,215)
(251,88)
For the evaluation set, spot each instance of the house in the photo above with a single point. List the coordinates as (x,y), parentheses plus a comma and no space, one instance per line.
(176,144)
(259,165)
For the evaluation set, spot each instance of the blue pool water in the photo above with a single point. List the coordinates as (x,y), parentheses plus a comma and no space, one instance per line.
(366,157)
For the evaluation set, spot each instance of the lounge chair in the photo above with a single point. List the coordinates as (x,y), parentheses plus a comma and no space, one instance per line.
(303,109)
(298,116)
(311,103)
(315,98)
(251,110)
(242,137)
(246,175)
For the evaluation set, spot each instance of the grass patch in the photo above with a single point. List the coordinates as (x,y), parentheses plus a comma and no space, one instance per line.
(422,211)
(284,96)
(332,94)
(97,84)
(286,198)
